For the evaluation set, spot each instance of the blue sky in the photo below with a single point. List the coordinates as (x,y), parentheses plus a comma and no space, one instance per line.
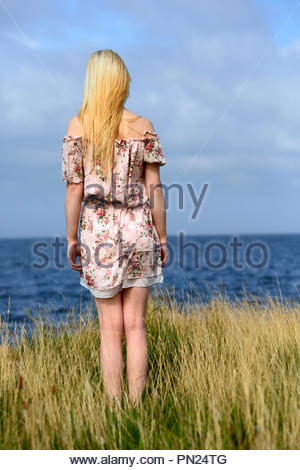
(219,81)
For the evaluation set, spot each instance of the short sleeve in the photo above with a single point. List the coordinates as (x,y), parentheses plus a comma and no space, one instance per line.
(153,152)
(72,160)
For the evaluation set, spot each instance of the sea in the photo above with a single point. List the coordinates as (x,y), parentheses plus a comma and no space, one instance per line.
(35,272)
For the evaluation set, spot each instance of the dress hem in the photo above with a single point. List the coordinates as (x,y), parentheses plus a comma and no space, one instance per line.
(112,291)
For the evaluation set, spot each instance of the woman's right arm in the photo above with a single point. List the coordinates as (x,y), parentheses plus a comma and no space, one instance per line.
(73,174)
(73,200)
(157,203)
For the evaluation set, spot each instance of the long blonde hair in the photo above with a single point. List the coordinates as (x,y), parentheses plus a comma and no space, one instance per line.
(106,89)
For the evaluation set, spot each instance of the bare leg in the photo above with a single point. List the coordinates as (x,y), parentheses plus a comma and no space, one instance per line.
(134,311)
(111,330)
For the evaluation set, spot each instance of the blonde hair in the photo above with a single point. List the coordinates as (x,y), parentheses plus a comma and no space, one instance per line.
(106,89)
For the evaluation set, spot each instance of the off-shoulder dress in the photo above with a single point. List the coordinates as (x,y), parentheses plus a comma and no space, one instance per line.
(119,243)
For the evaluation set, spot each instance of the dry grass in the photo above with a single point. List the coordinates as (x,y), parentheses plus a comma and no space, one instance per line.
(222,375)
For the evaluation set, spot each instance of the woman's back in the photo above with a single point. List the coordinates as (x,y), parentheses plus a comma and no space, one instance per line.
(116,212)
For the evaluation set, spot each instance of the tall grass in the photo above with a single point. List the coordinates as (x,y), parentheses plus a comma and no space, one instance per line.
(221,375)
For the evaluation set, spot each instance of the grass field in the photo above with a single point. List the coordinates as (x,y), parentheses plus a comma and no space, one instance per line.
(221,375)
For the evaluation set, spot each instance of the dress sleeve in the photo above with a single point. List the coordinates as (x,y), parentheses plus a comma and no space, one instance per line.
(72,160)
(153,152)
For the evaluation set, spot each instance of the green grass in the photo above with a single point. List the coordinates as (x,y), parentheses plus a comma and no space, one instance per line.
(221,375)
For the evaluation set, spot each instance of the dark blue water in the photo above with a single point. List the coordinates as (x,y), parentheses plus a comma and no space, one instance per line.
(262,265)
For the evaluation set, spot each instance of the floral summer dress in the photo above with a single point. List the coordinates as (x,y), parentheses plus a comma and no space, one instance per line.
(119,243)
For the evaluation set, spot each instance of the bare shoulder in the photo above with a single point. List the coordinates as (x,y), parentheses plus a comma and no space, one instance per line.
(142,125)
(147,124)
(74,127)
(139,121)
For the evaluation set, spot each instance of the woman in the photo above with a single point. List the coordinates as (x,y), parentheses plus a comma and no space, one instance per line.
(110,161)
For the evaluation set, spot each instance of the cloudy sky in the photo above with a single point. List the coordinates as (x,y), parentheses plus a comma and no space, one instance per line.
(219,79)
